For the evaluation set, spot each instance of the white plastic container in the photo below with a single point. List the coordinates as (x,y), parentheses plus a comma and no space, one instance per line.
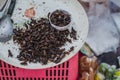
(59,27)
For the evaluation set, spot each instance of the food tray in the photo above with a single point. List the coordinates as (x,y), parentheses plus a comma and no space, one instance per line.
(42,8)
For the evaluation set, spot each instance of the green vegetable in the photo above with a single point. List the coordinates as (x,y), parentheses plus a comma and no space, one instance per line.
(117,75)
(107,70)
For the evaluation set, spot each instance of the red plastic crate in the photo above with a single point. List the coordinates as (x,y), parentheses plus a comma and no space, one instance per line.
(65,71)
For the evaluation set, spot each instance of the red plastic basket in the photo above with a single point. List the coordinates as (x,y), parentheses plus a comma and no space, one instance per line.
(65,71)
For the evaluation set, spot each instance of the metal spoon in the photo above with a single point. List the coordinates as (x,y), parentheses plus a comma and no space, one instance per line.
(6,26)
(6,29)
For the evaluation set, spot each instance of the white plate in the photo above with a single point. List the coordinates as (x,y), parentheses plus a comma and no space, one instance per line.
(80,24)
